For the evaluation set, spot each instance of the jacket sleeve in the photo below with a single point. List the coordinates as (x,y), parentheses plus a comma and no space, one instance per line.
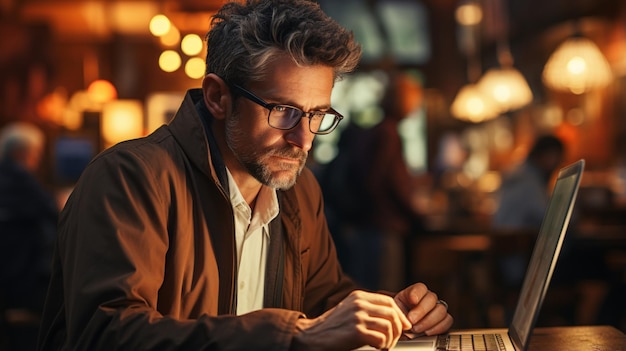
(113,242)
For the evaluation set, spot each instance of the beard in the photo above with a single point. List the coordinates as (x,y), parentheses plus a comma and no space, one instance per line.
(264,164)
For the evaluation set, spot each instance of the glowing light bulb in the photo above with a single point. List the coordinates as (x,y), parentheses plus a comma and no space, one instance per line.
(169,61)
(159,25)
(191,44)
(194,68)
(576,65)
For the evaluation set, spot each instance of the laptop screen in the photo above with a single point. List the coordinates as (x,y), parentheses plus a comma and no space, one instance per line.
(545,254)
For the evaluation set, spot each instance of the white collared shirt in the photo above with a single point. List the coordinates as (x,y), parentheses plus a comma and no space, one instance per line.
(252,241)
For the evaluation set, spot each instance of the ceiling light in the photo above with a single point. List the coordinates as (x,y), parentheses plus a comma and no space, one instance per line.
(171,38)
(507,87)
(169,61)
(121,120)
(578,66)
(471,104)
(101,91)
(159,25)
(195,68)
(191,44)
(469,14)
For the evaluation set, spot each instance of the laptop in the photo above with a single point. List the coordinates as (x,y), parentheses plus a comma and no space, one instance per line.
(539,272)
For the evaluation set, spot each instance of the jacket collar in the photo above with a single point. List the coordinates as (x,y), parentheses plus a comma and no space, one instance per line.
(191,127)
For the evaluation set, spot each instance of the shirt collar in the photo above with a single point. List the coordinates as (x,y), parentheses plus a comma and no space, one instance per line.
(266,207)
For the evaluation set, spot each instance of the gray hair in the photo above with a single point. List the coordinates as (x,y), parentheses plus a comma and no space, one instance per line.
(245,38)
(20,136)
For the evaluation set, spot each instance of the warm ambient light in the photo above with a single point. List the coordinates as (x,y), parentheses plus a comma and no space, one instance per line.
(191,44)
(469,14)
(121,120)
(470,104)
(171,38)
(194,68)
(160,109)
(159,25)
(169,61)
(101,91)
(578,66)
(507,87)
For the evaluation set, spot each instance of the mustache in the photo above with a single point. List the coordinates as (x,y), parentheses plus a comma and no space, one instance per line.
(289,152)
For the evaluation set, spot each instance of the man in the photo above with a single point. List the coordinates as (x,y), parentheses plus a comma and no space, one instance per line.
(210,233)
(524,193)
(28,216)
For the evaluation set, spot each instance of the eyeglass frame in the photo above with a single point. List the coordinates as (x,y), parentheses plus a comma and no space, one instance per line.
(270,107)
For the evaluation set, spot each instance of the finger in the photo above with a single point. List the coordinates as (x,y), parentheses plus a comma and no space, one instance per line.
(386,335)
(410,296)
(377,332)
(426,304)
(390,312)
(399,317)
(403,318)
(433,318)
(442,326)
(417,292)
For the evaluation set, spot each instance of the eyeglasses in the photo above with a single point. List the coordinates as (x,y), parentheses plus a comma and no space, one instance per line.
(286,117)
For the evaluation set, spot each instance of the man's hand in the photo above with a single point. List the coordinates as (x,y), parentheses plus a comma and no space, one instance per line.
(427,313)
(362,318)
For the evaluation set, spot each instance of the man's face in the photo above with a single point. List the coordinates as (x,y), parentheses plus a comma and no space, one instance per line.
(276,157)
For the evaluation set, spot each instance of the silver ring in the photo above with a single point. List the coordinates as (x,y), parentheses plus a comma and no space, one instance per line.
(445,304)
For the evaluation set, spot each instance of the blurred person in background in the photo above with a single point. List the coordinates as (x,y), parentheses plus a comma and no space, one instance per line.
(28,216)
(370,192)
(524,194)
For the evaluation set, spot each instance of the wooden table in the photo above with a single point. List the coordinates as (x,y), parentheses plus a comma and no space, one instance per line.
(587,338)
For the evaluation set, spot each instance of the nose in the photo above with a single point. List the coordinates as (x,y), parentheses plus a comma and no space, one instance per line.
(300,136)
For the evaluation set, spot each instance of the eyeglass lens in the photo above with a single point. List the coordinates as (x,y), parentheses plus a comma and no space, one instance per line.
(287,117)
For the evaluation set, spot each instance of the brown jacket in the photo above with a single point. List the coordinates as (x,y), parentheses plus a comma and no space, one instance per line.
(145,253)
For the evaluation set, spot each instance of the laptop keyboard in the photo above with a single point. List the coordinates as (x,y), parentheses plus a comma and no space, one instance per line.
(471,342)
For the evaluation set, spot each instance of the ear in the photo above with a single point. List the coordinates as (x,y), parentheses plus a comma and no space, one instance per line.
(217,97)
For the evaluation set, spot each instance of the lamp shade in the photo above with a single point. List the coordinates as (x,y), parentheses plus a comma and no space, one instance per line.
(470,104)
(121,120)
(101,91)
(577,65)
(507,87)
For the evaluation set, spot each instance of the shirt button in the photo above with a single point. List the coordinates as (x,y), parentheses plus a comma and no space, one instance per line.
(242,285)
